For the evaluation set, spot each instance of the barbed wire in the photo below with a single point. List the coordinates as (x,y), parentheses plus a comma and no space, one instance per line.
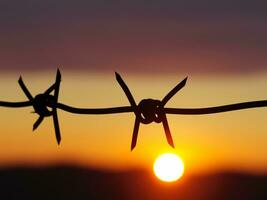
(147,111)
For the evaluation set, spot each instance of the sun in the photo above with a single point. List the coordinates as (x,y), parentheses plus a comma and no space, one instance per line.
(168,167)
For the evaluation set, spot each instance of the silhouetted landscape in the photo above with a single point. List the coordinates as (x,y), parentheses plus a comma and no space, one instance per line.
(80,183)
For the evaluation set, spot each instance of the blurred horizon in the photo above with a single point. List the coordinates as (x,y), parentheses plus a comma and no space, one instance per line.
(221,46)
(62,182)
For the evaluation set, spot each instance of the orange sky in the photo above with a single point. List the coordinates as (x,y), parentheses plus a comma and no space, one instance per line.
(234,140)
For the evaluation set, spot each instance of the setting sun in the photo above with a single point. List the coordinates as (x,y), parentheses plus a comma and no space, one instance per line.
(168,167)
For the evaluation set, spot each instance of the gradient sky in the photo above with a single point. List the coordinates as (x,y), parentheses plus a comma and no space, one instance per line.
(220,45)
(189,36)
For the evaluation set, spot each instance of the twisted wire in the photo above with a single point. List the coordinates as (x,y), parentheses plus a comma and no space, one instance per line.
(146,112)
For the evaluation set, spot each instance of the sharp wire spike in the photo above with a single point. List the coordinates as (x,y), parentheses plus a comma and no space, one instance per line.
(56,126)
(24,89)
(126,90)
(135,133)
(54,109)
(167,131)
(37,123)
(50,89)
(178,87)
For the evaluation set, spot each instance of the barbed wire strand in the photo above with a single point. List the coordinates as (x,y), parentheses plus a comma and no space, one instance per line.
(147,111)
(127,109)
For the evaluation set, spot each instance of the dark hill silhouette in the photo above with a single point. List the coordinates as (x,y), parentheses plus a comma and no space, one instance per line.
(80,183)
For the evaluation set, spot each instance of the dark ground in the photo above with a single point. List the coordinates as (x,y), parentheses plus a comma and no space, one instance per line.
(80,183)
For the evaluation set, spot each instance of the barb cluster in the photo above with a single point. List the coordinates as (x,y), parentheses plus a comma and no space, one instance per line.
(42,102)
(150,110)
(146,111)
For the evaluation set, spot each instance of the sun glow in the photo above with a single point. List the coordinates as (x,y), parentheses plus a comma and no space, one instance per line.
(169,167)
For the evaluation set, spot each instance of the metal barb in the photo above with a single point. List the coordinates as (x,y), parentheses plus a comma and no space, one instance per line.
(150,110)
(42,102)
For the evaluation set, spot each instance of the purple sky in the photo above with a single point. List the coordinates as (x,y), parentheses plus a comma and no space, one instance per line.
(171,36)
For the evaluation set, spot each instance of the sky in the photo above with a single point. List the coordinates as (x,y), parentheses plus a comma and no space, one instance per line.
(220,45)
(185,36)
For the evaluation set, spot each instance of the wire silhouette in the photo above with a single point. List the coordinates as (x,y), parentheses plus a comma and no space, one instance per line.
(146,112)
(150,110)
(41,101)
